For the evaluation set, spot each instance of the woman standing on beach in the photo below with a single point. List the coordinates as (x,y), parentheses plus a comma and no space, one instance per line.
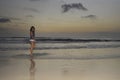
(32,39)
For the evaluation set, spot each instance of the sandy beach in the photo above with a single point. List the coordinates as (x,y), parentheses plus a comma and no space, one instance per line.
(62,65)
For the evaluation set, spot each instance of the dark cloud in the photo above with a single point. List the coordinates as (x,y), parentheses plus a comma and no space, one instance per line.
(4,20)
(34,0)
(90,16)
(79,6)
(14,18)
(29,16)
(11,18)
(32,9)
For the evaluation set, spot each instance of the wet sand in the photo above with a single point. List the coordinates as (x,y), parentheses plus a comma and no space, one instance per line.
(59,69)
(61,64)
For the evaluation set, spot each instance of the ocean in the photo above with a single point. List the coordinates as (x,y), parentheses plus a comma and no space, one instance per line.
(49,43)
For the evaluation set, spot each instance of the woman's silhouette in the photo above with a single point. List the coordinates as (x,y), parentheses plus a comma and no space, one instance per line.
(32,39)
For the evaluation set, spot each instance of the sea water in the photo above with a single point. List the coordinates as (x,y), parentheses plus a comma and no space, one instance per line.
(64,46)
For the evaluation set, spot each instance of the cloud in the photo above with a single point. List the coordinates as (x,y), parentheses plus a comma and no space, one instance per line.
(32,9)
(11,18)
(14,18)
(29,16)
(4,20)
(79,6)
(34,0)
(90,16)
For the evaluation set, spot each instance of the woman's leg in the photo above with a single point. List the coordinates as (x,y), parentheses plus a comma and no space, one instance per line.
(33,45)
(31,48)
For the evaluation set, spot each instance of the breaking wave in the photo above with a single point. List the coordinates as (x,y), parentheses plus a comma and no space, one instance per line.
(47,39)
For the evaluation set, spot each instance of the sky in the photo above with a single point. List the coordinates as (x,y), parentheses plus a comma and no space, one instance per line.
(58,16)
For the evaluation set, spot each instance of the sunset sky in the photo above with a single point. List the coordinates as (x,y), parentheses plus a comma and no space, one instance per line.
(59,16)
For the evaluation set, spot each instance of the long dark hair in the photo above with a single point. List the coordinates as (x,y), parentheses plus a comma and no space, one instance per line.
(32,29)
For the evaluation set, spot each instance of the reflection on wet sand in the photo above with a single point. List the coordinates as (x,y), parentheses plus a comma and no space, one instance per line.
(65,71)
(32,69)
(66,68)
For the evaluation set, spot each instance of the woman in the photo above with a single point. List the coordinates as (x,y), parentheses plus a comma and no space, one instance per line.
(32,39)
